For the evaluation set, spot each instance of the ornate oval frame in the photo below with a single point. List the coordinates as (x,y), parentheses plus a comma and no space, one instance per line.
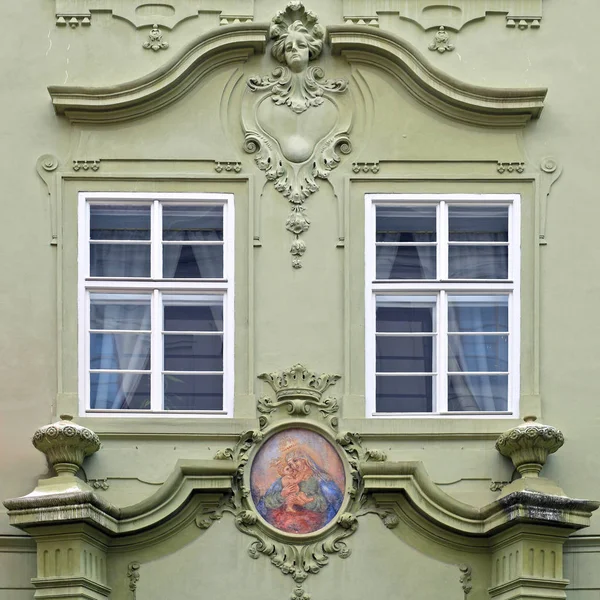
(323,432)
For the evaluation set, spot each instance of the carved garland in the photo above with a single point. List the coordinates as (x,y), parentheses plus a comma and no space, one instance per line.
(298,390)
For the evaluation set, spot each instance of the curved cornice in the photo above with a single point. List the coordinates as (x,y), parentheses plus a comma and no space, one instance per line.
(397,485)
(156,90)
(458,100)
(400,487)
(359,45)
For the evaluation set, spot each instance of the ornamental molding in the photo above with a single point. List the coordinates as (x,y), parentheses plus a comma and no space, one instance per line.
(352,480)
(451,14)
(155,40)
(475,105)
(551,170)
(233,44)
(296,552)
(441,41)
(66,444)
(142,13)
(295,120)
(220,47)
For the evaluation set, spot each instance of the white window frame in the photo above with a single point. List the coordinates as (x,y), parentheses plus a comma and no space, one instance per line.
(157,285)
(441,287)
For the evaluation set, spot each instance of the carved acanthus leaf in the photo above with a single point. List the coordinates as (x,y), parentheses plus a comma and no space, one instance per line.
(298,561)
(352,444)
(295,165)
(369,507)
(298,91)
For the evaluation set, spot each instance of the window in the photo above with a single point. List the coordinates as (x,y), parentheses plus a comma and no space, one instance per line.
(156,303)
(442,304)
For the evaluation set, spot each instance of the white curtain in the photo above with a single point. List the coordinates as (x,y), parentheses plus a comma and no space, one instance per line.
(477,393)
(120,351)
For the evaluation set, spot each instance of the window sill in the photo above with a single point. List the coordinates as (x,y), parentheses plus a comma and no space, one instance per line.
(174,427)
(435,426)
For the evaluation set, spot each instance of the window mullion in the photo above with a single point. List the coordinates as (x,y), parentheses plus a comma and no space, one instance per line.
(156,352)
(442,403)
(443,241)
(156,243)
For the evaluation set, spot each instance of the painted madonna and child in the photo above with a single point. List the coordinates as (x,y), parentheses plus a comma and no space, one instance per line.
(297,480)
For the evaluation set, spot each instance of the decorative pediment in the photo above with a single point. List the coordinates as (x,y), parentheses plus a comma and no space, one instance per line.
(475,105)
(358,44)
(167,84)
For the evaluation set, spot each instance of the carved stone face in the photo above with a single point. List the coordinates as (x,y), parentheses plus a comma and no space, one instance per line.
(296,51)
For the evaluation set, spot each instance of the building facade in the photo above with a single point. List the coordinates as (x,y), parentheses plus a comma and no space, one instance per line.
(287,308)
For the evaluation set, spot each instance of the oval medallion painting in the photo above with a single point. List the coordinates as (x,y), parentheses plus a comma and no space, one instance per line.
(297,481)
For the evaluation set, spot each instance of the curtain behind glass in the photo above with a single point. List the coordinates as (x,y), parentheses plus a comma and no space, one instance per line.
(477,392)
(114,354)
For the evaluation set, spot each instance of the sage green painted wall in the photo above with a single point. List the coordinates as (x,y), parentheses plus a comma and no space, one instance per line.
(298,315)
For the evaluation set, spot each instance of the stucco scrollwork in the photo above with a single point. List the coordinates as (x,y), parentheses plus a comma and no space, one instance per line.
(465,578)
(133,574)
(286,435)
(293,148)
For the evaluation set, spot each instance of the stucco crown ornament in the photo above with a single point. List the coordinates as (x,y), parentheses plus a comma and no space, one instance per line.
(66,444)
(528,446)
(299,382)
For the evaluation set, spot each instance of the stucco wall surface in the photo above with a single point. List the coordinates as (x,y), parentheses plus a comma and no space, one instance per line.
(310,315)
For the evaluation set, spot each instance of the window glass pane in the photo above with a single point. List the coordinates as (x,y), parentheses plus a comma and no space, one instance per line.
(478,313)
(405,262)
(405,314)
(193,392)
(123,351)
(193,352)
(403,394)
(405,224)
(193,261)
(478,262)
(119,260)
(477,392)
(119,391)
(193,223)
(119,222)
(478,223)
(478,353)
(182,315)
(404,354)
(119,311)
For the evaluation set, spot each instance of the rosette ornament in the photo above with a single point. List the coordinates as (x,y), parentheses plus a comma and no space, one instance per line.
(528,446)
(66,444)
